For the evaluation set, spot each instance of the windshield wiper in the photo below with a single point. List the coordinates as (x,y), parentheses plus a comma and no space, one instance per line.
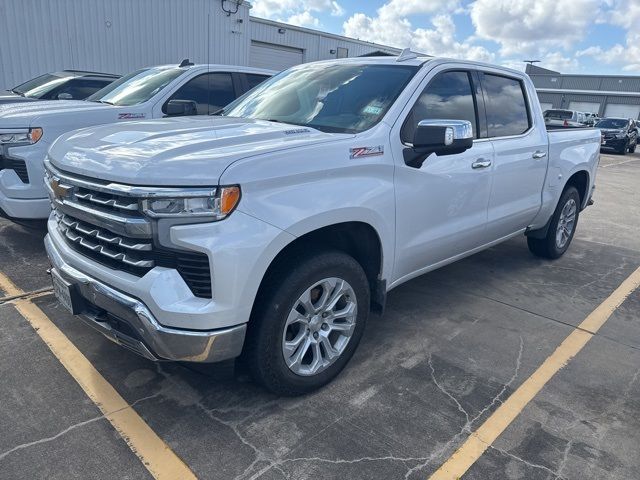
(17,92)
(102,101)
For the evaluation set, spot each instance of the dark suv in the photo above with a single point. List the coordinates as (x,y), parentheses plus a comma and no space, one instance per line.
(65,85)
(618,134)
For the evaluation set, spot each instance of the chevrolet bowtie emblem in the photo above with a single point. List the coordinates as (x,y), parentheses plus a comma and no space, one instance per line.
(59,191)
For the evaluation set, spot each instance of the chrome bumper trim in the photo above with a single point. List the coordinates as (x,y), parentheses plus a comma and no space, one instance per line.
(155,342)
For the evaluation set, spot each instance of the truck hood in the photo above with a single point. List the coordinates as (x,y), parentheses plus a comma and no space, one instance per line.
(184,151)
(23,113)
(8,96)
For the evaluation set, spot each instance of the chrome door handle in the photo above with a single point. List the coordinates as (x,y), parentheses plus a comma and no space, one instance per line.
(539,154)
(481,163)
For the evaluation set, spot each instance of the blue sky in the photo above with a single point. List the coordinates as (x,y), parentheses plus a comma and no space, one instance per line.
(577,36)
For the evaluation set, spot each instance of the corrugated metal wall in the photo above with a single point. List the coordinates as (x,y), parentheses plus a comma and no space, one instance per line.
(315,45)
(118,36)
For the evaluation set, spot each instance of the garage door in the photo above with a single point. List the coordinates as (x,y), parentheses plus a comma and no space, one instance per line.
(622,111)
(546,106)
(585,107)
(274,57)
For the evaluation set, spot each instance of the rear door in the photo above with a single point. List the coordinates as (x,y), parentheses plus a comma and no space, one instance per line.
(521,154)
(441,208)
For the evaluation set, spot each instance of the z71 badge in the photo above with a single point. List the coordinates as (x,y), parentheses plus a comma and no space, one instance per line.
(360,152)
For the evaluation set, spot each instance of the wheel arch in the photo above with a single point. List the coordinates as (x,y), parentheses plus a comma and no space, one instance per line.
(355,238)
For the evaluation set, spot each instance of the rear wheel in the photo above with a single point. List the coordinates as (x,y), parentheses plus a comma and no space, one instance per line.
(307,323)
(561,229)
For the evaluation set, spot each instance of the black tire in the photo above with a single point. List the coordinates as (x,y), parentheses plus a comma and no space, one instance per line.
(632,148)
(262,352)
(547,247)
(623,150)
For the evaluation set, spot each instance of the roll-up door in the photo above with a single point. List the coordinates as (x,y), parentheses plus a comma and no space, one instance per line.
(274,57)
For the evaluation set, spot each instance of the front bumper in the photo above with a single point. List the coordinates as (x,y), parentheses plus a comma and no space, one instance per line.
(128,322)
(614,143)
(17,198)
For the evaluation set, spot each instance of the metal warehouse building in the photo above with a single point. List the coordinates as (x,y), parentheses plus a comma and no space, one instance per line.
(606,95)
(118,36)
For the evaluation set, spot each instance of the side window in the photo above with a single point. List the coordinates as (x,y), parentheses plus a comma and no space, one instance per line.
(78,88)
(210,91)
(253,80)
(447,96)
(506,105)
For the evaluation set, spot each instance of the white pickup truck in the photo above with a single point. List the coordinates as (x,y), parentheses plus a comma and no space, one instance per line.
(27,130)
(272,230)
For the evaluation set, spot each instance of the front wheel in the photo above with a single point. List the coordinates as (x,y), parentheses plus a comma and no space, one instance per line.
(623,150)
(308,323)
(632,148)
(561,229)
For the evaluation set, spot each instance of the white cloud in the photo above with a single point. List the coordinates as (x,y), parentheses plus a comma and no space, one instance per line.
(304,19)
(532,27)
(625,14)
(626,57)
(278,8)
(392,27)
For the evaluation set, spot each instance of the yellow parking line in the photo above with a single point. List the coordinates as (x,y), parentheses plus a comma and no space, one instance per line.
(481,439)
(152,451)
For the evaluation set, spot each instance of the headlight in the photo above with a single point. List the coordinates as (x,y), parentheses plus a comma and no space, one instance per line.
(220,203)
(620,135)
(29,137)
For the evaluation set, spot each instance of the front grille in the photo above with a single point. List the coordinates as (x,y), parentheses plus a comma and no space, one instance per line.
(18,166)
(106,228)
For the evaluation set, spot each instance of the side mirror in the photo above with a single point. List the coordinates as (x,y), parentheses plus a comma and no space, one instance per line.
(442,137)
(179,108)
(65,96)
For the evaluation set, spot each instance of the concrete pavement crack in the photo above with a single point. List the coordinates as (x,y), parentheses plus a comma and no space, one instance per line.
(71,428)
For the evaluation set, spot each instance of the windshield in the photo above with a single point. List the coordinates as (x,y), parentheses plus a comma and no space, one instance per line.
(137,87)
(39,86)
(558,114)
(612,123)
(343,98)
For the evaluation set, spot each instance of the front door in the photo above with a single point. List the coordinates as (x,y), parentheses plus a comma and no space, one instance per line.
(441,208)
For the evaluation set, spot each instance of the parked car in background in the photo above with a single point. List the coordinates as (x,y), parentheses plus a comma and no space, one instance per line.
(564,118)
(270,231)
(591,119)
(27,130)
(619,134)
(65,85)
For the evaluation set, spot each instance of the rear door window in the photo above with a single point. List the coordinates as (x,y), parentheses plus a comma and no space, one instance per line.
(506,106)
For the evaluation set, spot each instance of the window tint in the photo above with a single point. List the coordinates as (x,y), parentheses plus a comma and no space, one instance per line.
(79,88)
(210,91)
(447,96)
(39,87)
(254,80)
(507,112)
(558,114)
(137,87)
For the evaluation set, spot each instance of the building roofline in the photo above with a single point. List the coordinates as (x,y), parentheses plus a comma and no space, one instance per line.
(582,75)
(610,93)
(392,50)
